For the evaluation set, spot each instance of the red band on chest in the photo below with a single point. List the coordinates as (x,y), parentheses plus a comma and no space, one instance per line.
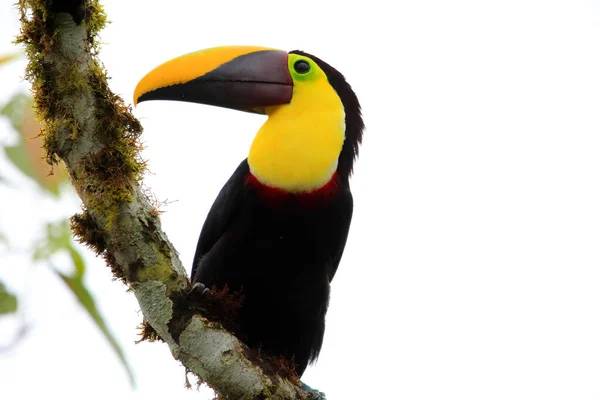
(275,196)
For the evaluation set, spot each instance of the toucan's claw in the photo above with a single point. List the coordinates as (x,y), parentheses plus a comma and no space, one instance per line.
(314,393)
(199,289)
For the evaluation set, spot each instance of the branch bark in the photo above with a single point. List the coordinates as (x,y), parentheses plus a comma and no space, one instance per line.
(93,131)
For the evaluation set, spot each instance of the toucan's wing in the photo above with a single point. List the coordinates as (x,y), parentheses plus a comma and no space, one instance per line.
(345,209)
(221,214)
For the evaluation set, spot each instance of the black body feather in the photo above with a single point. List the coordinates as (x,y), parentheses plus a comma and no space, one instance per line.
(282,250)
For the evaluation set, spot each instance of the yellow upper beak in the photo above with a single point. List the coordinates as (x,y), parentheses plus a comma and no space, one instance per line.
(241,77)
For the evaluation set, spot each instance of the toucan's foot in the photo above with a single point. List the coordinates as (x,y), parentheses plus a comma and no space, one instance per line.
(316,395)
(199,289)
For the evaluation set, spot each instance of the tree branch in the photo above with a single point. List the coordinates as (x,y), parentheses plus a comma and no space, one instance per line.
(94,133)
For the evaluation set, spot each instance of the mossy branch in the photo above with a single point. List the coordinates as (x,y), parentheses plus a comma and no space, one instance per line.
(93,131)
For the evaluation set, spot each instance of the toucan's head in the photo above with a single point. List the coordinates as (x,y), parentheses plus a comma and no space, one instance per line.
(314,126)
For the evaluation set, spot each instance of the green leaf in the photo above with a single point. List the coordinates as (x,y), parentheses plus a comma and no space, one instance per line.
(75,283)
(77,261)
(58,237)
(14,110)
(27,154)
(18,156)
(8,301)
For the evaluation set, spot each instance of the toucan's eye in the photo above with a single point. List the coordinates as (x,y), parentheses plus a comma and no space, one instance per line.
(301,67)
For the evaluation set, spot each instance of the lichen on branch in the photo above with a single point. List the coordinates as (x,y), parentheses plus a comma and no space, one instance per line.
(94,132)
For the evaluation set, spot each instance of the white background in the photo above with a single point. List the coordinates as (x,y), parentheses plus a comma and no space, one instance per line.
(472,270)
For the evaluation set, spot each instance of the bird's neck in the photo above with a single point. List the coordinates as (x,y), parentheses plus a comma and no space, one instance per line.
(276,198)
(297,148)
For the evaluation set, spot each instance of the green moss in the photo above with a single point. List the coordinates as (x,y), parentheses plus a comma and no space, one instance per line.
(147,333)
(96,20)
(104,179)
(120,129)
(87,232)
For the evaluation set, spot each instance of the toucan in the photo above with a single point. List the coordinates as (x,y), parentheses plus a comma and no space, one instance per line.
(278,228)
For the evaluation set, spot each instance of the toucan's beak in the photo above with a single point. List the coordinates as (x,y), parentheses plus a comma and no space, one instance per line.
(239,77)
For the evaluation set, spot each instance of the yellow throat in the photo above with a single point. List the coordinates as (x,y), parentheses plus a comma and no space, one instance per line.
(297,148)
